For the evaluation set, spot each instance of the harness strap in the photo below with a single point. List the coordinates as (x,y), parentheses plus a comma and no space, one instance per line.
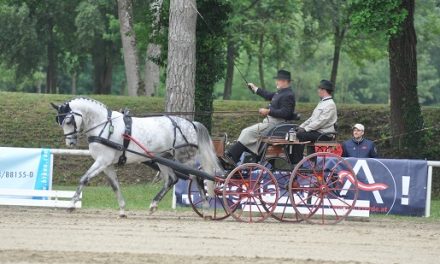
(128,122)
(175,131)
(106,142)
(109,121)
(128,128)
(177,127)
(186,145)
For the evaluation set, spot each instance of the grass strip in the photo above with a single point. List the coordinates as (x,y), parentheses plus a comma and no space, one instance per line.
(139,197)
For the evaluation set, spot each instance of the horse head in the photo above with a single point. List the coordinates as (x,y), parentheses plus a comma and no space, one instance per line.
(70,121)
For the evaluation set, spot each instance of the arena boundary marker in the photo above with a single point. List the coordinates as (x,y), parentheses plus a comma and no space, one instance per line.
(40,198)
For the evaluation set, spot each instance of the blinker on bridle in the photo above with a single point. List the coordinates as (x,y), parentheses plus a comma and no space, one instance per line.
(65,112)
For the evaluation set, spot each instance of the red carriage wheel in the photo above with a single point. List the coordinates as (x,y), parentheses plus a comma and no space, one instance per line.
(253,190)
(281,169)
(216,203)
(323,188)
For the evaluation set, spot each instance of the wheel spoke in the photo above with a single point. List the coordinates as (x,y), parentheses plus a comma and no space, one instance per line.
(247,189)
(339,198)
(256,203)
(304,201)
(333,208)
(258,179)
(318,176)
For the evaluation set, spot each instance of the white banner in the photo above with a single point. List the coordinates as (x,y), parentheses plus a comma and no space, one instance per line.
(25,168)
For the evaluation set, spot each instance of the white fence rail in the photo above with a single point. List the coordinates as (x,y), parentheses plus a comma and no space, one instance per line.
(431,164)
(73,152)
(42,198)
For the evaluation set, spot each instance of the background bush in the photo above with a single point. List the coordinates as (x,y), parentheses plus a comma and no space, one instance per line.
(28,120)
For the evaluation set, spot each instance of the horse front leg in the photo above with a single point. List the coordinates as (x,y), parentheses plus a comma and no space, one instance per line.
(114,183)
(94,170)
(169,180)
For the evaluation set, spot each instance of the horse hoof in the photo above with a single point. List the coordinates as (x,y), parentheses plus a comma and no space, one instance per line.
(70,209)
(123,216)
(153,209)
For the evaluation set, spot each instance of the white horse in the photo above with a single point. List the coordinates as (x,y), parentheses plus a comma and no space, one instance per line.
(170,137)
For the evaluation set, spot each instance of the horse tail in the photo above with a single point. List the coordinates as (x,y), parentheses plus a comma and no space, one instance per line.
(207,156)
(206,151)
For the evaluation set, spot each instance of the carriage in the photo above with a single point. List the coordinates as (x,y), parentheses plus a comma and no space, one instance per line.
(321,188)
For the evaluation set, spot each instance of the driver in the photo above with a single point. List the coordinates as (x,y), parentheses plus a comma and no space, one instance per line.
(280,109)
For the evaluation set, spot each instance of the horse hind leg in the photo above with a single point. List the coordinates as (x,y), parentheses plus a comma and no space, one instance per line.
(169,180)
(114,183)
(207,212)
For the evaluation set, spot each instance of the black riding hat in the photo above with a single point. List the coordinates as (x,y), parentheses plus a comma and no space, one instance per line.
(282,75)
(327,85)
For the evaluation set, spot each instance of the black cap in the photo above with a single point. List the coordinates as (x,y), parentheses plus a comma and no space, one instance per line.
(327,85)
(282,75)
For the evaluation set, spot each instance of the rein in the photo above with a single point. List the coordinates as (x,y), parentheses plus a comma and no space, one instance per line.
(98,125)
(76,132)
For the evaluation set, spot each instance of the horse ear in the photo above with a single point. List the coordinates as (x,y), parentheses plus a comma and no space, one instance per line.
(55,106)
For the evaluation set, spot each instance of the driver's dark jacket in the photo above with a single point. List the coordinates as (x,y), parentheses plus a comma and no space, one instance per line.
(282,102)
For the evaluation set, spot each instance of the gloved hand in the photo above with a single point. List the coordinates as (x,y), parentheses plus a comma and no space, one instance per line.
(300,130)
(252,87)
(264,111)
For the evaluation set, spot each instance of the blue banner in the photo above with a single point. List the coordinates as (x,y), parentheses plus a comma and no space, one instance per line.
(25,168)
(392,186)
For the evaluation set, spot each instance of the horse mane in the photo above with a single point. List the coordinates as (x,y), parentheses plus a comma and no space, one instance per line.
(87,99)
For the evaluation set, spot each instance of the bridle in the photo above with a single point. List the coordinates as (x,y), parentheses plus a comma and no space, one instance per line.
(70,116)
(61,119)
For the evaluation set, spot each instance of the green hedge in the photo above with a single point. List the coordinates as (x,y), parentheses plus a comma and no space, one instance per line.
(27,120)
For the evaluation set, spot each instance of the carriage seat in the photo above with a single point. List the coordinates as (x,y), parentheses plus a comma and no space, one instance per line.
(325,143)
(279,131)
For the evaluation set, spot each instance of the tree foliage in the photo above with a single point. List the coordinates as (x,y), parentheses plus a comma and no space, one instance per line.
(210,55)
(396,19)
(21,49)
(298,36)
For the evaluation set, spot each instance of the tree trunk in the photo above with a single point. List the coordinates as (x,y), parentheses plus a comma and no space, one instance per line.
(278,55)
(51,74)
(74,78)
(406,116)
(260,59)
(102,67)
(152,69)
(339,37)
(230,58)
(39,83)
(154,49)
(181,68)
(128,36)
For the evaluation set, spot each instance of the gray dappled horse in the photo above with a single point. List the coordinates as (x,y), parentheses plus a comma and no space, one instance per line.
(166,136)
